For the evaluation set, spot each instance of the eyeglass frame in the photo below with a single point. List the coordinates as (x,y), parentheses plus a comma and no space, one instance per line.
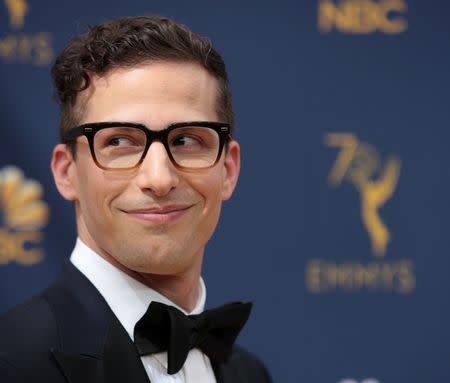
(90,129)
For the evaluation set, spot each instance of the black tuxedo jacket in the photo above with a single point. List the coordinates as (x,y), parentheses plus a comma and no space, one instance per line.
(68,333)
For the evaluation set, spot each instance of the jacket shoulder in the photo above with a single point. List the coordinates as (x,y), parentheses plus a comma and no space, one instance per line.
(28,332)
(27,329)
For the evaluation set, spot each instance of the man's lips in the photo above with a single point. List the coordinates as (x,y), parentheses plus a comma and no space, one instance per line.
(163,214)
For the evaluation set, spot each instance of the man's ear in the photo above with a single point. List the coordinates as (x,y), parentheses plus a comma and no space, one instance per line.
(63,169)
(232,166)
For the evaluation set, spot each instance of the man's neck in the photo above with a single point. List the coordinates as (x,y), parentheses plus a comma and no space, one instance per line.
(182,289)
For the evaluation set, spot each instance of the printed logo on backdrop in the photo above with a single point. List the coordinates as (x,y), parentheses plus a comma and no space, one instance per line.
(23,215)
(17,46)
(362,17)
(375,181)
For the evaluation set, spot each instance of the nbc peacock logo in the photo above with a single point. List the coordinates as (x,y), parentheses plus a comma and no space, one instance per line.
(23,214)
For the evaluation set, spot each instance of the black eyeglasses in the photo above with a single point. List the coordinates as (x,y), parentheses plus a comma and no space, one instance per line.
(123,145)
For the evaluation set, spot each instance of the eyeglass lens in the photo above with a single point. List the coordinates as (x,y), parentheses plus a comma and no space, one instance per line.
(123,147)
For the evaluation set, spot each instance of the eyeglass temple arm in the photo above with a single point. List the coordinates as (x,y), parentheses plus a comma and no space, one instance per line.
(74,133)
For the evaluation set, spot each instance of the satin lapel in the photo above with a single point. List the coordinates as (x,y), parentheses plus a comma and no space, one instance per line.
(94,347)
(227,374)
(79,368)
(120,359)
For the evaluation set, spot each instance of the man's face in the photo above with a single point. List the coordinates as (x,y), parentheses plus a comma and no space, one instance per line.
(154,219)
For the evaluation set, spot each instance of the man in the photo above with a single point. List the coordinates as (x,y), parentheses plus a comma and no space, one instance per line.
(147,159)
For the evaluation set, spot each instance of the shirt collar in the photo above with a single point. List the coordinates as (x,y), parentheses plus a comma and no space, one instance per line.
(127,297)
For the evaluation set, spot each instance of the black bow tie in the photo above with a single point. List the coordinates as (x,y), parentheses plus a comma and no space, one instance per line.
(165,328)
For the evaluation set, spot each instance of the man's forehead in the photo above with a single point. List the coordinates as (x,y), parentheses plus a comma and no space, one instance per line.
(151,83)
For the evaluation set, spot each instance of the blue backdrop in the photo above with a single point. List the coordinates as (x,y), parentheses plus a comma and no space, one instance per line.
(339,228)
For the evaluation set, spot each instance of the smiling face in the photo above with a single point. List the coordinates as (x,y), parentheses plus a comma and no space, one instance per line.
(155,219)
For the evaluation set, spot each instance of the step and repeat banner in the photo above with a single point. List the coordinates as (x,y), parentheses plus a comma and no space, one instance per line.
(339,230)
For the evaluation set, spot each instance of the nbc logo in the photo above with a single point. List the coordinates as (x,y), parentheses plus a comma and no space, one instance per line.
(22,215)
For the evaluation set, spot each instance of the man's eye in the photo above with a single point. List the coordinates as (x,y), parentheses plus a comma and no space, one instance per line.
(186,141)
(121,141)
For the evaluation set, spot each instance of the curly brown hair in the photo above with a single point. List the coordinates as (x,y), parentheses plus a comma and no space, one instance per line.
(128,42)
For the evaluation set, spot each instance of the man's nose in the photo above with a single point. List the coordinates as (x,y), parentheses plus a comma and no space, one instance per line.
(157,172)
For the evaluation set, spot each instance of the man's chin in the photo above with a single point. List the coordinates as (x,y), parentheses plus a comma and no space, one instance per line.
(156,272)
(154,261)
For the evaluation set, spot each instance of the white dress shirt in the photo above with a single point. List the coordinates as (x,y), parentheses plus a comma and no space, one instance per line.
(129,300)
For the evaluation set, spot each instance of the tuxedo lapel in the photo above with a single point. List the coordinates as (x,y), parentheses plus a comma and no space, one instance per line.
(94,347)
(118,363)
(224,373)
(78,368)
(120,360)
